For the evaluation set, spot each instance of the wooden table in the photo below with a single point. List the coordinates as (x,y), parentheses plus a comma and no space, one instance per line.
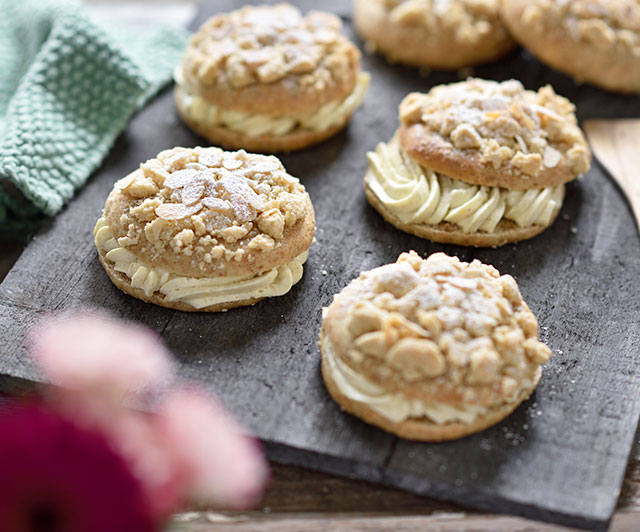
(303,500)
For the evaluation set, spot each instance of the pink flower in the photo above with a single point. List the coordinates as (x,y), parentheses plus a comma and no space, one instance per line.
(91,352)
(134,435)
(58,476)
(190,448)
(220,463)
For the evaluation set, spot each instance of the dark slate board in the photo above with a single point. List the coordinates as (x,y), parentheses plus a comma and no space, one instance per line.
(560,457)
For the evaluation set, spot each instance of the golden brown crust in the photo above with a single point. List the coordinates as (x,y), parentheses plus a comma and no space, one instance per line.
(591,40)
(495,134)
(298,139)
(447,233)
(295,240)
(278,99)
(204,212)
(418,429)
(271,60)
(124,283)
(449,44)
(429,149)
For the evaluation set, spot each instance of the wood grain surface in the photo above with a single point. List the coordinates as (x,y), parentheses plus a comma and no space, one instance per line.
(615,144)
(304,501)
(561,457)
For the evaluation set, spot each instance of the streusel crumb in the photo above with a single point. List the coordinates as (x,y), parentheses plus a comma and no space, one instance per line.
(265,44)
(469,20)
(210,204)
(600,23)
(509,126)
(443,322)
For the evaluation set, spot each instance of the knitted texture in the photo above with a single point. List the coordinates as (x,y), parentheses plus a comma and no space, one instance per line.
(67,89)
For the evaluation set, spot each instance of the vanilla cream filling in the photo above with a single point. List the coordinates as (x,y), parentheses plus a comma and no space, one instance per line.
(393,406)
(418,195)
(196,292)
(329,115)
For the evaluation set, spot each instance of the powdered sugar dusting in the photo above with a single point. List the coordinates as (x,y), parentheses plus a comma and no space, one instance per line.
(522,131)
(211,204)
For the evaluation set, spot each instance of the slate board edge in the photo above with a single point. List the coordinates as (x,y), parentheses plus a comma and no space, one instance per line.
(288,455)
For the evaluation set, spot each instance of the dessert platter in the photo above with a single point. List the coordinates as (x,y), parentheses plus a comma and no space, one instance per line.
(418,278)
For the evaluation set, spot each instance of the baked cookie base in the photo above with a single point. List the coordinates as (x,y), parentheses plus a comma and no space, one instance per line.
(419,429)
(414,46)
(448,233)
(232,140)
(124,283)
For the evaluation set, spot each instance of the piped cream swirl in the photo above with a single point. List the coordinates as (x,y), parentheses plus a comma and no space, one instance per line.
(393,406)
(329,115)
(420,196)
(196,292)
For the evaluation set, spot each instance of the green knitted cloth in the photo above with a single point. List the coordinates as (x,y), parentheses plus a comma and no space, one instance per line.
(67,89)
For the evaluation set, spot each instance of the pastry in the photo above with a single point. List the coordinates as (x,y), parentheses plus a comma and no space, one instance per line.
(477,163)
(592,40)
(267,79)
(431,349)
(206,230)
(447,34)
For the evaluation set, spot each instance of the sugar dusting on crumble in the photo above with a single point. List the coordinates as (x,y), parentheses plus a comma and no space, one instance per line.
(602,24)
(212,204)
(509,126)
(443,319)
(470,21)
(265,44)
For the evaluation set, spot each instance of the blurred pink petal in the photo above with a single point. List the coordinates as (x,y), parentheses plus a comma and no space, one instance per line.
(133,435)
(189,449)
(91,351)
(59,476)
(221,463)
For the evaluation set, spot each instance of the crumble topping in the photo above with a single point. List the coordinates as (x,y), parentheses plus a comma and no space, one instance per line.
(508,125)
(600,23)
(441,318)
(210,204)
(265,44)
(469,20)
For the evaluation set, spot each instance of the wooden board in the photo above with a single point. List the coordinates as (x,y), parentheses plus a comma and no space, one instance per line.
(614,143)
(560,457)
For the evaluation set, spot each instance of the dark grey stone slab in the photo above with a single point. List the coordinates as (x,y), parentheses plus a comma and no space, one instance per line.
(560,457)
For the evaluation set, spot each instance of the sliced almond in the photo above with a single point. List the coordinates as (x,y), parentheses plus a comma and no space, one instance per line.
(177,211)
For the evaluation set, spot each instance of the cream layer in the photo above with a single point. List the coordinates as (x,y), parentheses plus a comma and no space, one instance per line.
(418,195)
(251,125)
(393,406)
(193,291)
